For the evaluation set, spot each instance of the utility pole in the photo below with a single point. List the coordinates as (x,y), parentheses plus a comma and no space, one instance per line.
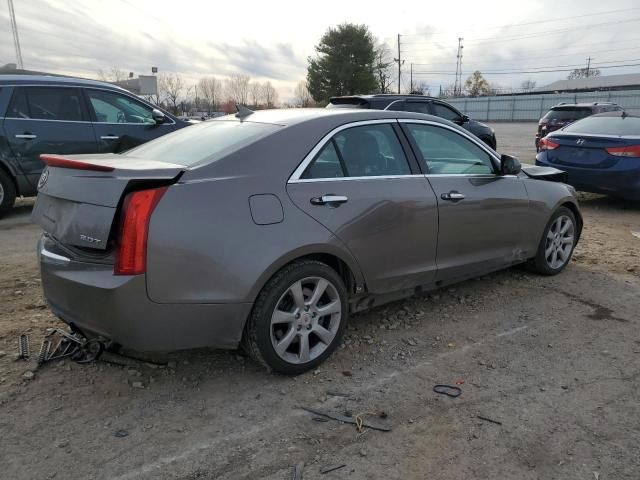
(411,80)
(400,62)
(457,86)
(16,39)
(588,66)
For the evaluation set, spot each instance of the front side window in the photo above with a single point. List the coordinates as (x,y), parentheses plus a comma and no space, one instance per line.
(365,151)
(445,112)
(447,152)
(112,107)
(46,103)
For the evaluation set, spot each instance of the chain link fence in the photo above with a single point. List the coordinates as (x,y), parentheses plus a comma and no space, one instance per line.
(522,108)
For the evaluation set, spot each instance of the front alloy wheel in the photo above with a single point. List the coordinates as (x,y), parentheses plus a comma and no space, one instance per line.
(298,318)
(556,246)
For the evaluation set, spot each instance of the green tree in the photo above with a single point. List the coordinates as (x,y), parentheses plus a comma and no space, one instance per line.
(476,85)
(344,63)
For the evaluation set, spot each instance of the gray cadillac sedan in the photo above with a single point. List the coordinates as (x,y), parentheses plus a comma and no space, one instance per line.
(268,229)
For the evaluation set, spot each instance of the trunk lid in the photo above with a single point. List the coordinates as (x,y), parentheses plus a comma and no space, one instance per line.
(79,196)
(587,151)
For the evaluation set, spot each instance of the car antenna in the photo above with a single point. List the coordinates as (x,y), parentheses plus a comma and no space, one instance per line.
(243,111)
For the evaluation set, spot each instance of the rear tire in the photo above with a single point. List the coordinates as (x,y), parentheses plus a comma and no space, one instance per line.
(298,318)
(557,243)
(7,192)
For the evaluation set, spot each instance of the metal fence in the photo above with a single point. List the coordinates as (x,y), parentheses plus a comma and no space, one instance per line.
(519,108)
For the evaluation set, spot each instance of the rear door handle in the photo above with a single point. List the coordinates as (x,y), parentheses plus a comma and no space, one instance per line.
(27,136)
(109,137)
(330,199)
(452,196)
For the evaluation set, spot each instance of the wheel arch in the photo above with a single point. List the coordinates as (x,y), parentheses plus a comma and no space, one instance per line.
(576,212)
(342,262)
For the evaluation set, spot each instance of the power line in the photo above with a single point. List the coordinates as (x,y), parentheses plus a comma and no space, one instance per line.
(546,21)
(515,72)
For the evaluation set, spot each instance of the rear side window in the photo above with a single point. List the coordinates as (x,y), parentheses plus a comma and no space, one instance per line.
(606,126)
(448,153)
(210,141)
(567,114)
(46,103)
(417,107)
(366,151)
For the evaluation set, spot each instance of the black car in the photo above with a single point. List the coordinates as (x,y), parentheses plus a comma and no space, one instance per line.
(418,104)
(61,115)
(563,114)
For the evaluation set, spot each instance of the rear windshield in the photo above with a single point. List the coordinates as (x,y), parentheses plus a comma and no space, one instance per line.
(606,126)
(567,113)
(196,143)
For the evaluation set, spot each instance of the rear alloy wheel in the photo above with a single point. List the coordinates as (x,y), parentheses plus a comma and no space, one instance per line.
(298,318)
(556,246)
(7,192)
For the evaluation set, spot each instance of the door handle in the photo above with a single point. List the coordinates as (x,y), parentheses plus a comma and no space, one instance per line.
(27,136)
(330,199)
(452,196)
(109,137)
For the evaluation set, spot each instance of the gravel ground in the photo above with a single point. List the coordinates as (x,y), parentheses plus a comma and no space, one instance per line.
(555,361)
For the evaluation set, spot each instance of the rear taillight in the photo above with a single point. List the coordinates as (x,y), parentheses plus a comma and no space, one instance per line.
(131,253)
(628,151)
(546,144)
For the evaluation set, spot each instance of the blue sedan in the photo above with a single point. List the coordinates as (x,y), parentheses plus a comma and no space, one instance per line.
(600,154)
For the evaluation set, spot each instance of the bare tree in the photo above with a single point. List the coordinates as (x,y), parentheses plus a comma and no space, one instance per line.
(383,68)
(237,88)
(528,85)
(584,73)
(170,87)
(302,95)
(269,95)
(255,92)
(114,74)
(421,88)
(211,90)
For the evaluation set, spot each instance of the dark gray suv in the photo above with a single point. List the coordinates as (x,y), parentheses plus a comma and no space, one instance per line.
(59,115)
(418,104)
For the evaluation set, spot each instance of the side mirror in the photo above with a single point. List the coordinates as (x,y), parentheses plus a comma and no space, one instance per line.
(509,165)
(158,116)
(465,118)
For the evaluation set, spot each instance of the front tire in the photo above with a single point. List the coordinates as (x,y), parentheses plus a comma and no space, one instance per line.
(298,318)
(7,192)
(557,243)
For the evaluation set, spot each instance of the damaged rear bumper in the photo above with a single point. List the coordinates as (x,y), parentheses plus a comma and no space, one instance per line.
(91,298)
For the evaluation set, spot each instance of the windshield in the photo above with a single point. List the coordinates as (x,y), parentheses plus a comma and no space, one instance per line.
(209,140)
(567,114)
(618,126)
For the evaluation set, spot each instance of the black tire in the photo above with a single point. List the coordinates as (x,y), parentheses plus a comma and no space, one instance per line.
(257,339)
(540,263)
(7,192)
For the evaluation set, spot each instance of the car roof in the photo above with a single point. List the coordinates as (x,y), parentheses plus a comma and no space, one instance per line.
(619,113)
(584,104)
(386,96)
(293,116)
(55,80)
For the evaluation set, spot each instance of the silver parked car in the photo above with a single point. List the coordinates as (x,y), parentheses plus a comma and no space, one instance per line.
(267,229)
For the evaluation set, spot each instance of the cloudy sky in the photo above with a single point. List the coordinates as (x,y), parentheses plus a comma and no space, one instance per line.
(271,40)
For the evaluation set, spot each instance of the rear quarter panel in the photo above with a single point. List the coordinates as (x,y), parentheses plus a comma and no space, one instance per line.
(204,246)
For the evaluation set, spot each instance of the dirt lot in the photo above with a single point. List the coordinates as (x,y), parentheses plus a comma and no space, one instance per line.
(555,360)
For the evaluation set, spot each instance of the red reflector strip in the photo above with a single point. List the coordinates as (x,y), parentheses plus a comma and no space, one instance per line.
(61,162)
(131,253)
(628,151)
